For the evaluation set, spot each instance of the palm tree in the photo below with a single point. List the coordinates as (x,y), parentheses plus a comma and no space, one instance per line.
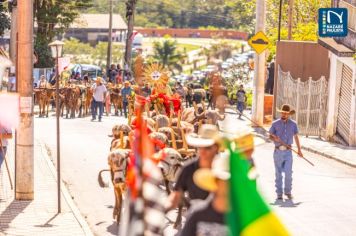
(166,53)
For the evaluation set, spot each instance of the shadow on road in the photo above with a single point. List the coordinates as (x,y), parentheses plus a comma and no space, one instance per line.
(113,229)
(11,212)
(47,224)
(286,203)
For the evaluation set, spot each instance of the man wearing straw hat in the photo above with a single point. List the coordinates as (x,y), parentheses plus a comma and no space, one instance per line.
(282,133)
(99,95)
(207,144)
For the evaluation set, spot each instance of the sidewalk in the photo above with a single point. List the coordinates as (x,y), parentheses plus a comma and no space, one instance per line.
(38,217)
(340,153)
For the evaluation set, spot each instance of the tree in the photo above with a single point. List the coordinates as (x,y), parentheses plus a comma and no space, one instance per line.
(166,53)
(100,53)
(222,49)
(79,52)
(4,19)
(52,18)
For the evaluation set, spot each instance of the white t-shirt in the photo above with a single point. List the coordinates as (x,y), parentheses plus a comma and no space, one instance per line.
(98,92)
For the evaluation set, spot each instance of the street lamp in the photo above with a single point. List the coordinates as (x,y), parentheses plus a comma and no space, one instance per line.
(57,49)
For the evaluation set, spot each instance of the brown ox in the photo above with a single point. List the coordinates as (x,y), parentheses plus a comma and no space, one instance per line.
(88,96)
(118,161)
(71,100)
(43,97)
(116,99)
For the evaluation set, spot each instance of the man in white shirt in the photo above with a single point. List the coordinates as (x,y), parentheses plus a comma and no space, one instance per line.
(99,95)
(5,134)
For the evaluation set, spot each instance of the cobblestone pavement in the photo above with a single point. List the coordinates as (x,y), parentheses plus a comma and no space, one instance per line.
(37,217)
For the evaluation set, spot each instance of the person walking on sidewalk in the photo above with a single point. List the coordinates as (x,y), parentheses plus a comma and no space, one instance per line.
(282,133)
(5,134)
(241,100)
(99,95)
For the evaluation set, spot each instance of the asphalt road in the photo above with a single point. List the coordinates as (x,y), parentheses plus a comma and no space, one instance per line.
(324,195)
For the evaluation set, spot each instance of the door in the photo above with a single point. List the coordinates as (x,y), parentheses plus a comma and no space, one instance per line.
(343,128)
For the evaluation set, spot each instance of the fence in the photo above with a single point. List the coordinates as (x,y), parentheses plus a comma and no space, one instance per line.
(308,98)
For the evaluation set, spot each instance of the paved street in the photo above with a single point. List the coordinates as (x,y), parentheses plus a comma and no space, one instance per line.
(324,194)
(84,150)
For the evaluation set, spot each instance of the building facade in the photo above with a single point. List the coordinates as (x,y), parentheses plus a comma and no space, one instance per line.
(341,118)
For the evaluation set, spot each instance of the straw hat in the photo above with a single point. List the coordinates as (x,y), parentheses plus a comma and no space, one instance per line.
(100,80)
(205,178)
(207,136)
(286,108)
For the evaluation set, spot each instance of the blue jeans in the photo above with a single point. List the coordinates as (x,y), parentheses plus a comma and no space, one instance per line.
(94,109)
(240,106)
(125,106)
(283,162)
(2,155)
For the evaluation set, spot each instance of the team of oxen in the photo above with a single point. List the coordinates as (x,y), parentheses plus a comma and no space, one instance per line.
(75,99)
(167,133)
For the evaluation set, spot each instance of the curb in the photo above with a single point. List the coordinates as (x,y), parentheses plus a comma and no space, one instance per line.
(67,197)
(329,156)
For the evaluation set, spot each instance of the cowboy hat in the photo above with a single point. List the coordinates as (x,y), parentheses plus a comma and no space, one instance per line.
(205,178)
(207,136)
(286,108)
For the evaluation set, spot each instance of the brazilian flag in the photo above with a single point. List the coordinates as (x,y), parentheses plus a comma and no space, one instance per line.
(249,215)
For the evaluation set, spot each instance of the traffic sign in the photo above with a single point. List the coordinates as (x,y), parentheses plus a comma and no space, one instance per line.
(259,42)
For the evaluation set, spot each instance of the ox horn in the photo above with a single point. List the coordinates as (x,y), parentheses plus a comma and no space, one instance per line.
(101,182)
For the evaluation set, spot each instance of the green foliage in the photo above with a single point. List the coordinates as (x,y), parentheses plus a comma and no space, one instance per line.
(75,47)
(305,18)
(83,53)
(53,17)
(4,19)
(43,52)
(166,53)
(212,14)
(100,53)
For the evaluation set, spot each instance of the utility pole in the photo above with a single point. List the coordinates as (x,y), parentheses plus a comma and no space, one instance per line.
(13,35)
(109,55)
(260,69)
(130,13)
(290,19)
(24,189)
